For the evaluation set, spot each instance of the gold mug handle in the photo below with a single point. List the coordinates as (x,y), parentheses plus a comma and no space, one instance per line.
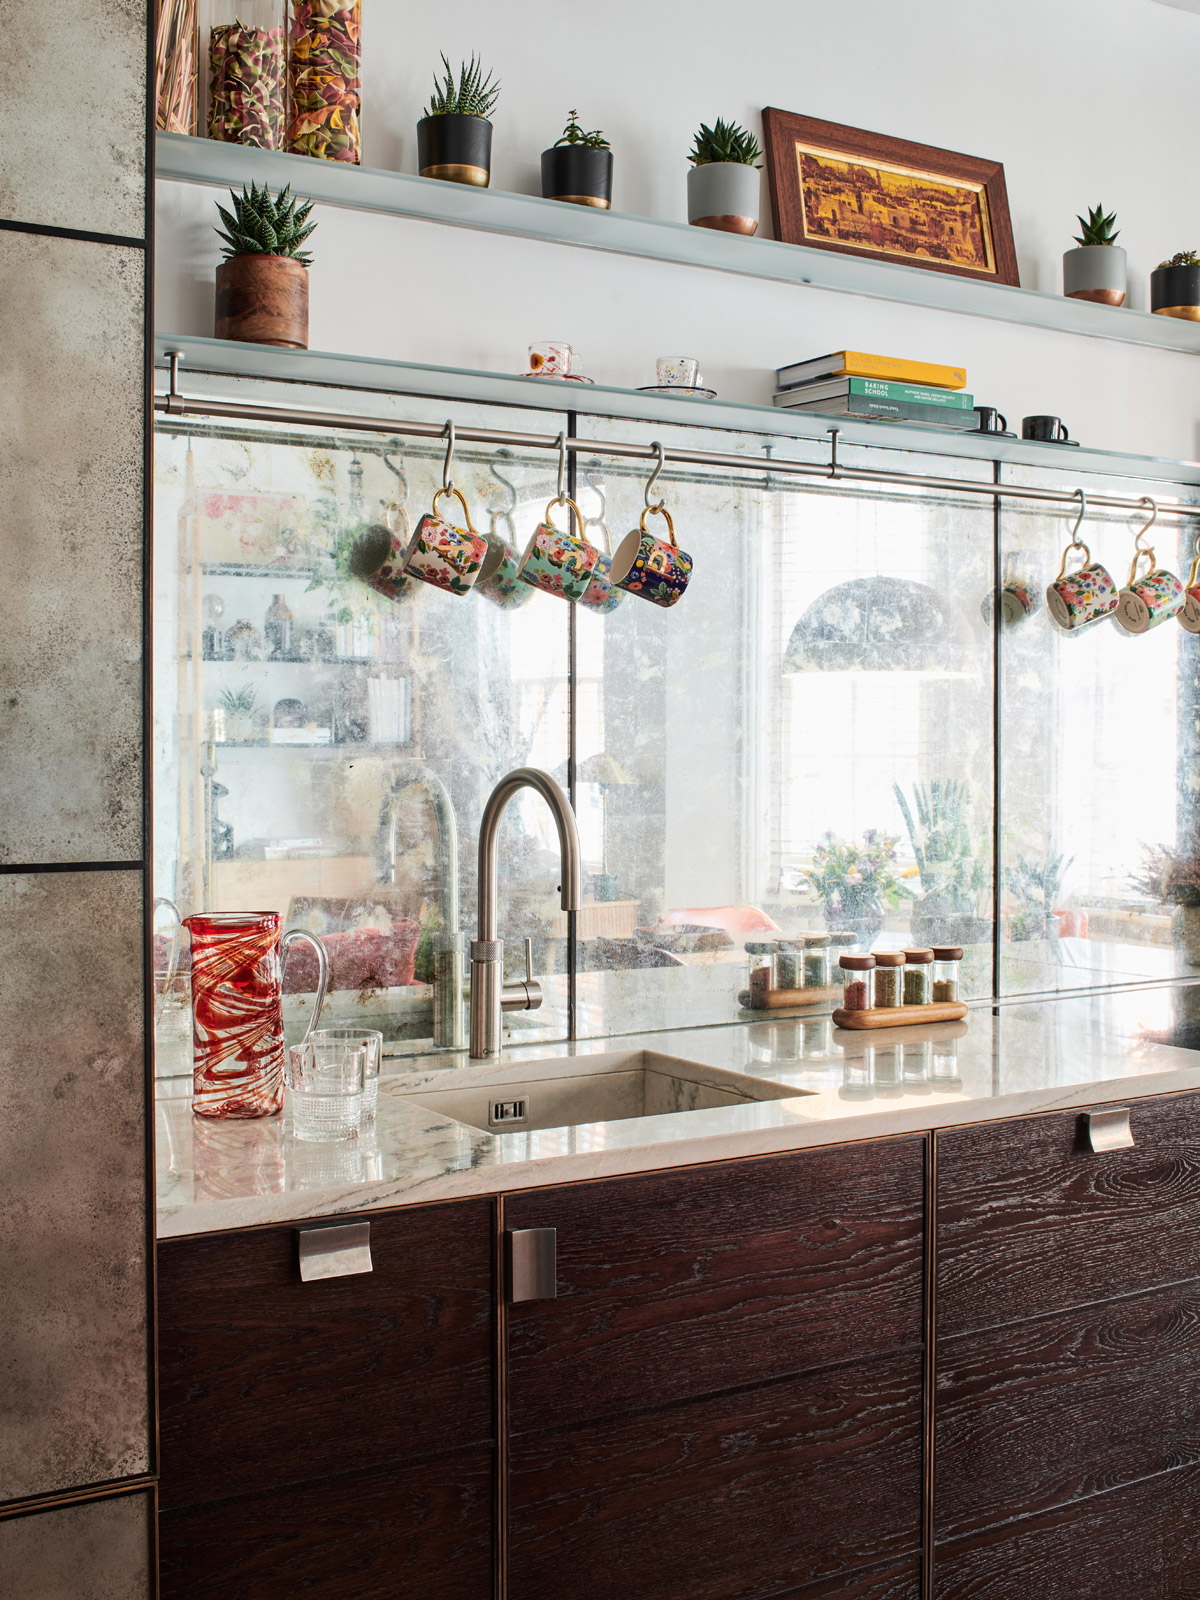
(1087,556)
(660,510)
(564,500)
(453,489)
(1142,550)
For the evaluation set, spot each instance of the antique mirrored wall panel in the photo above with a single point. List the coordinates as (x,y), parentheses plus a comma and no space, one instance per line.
(1100,861)
(325,749)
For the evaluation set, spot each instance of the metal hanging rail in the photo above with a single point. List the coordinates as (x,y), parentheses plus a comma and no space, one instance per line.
(175,404)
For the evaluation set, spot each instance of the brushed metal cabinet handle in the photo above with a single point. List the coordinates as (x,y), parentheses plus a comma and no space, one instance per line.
(531,1264)
(1109,1129)
(335,1252)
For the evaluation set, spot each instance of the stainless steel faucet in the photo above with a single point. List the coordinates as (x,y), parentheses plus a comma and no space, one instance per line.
(447,957)
(490,995)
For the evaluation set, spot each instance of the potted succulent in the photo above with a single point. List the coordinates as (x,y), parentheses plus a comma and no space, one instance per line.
(1035,886)
(723,183)
(954,874)
(454,137)
(262,284)
(238,706)
(1096,270)
(1175,287)
(578,167)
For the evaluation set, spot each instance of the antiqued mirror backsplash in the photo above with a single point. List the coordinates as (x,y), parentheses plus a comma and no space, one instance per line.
(826,736)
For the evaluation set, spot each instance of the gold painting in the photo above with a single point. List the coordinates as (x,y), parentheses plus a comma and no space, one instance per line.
(894,210)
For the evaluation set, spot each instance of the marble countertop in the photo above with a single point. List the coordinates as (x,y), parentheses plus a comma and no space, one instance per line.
(1001,1062)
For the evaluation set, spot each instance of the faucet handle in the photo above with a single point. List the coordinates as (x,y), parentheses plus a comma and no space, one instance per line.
(525,995)
(529,961)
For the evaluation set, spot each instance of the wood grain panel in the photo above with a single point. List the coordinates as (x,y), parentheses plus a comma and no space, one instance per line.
(731,1497)
(424,1530)
(1030,1221)
(1140,1543)
(1035,1415)
(265,1380)
(684,1283)
(900,1580)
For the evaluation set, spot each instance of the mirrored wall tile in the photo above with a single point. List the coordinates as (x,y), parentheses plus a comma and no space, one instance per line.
(72,114)
(96,1550)
(73,1312)
(71,418)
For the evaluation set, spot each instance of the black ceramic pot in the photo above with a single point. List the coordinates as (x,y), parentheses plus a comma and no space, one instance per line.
(578,173)
(1175,292)
(456,148)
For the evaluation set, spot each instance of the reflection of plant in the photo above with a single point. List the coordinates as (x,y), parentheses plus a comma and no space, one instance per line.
(239,702)
(1036,885)
(331,560)
(952,873)
(855,879)
(1172,876)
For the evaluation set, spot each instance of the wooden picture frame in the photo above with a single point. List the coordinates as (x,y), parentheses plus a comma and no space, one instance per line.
(867,194)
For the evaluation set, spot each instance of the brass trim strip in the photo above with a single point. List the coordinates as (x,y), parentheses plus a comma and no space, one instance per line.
(458,172)
(500,1499)
(76,1497)
(1184,313)
(930,1396)
(582,200)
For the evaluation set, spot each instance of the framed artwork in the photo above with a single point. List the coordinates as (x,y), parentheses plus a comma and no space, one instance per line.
(865,194)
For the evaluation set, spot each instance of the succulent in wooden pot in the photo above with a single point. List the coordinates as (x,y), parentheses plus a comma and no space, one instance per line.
(454,137)
(578,167)
(1175,287)
(723,183)
(1096,270)
(262,285)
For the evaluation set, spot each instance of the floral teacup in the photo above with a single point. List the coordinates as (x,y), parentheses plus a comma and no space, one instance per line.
(1079,598)
(650,567)
(443,555)
(1153,598)
(499,578)
(556,562)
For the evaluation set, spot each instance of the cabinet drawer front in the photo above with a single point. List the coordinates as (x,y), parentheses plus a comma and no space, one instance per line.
(899,1580)
(685,1283)
(1140,1543)
(267,1380)
(752,1494)
(1030,1220)
(1042,1413)
(423,1530)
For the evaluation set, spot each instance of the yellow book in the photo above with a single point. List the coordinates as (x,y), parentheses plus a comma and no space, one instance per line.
(856,364)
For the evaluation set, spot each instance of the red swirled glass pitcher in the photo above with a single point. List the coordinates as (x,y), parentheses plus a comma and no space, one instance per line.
(237,1011)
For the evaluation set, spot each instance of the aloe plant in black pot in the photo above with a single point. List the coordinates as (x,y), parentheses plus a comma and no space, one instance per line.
(454,137)
(578,167)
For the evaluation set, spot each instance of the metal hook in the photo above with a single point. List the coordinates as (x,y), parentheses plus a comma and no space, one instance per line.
(1076,541)
(1146,500)
(601,494)
(513,497)
(652,505)
(447,481)
(834,436)
(562,468)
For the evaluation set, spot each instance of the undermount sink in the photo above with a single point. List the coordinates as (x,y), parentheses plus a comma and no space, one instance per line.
(528,1095)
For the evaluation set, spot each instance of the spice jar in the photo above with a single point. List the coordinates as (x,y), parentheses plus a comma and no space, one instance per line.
(916,977)
(855,972)
(887,977)
(816,961)
(787,964)
(841,944)
(759,953)
(946,958)
(247,79)
(324,83)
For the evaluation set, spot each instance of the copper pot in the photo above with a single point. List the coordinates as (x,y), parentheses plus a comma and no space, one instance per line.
(263,300)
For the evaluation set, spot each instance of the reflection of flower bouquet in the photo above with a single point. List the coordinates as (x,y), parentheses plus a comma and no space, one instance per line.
(853,881)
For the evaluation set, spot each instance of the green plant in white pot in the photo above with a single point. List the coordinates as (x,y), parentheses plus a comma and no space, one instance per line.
(723,183)
(1097,269)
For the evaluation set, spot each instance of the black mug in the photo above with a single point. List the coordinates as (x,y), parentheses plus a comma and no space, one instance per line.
(991,420)
(1048,429)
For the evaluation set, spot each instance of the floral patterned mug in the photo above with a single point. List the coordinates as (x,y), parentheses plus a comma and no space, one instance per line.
(1189,614)
(1077,599)
(652,568)
(556,562)
(443,555)
(499,579)
(1153,598)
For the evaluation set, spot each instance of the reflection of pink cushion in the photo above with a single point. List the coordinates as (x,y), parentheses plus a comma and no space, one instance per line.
(360,958)
(734,919)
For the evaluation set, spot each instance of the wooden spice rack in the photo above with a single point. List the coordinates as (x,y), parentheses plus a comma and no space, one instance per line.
(900,1016)
(778,999)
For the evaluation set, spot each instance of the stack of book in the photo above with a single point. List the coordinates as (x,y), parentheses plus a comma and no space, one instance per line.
(849,383)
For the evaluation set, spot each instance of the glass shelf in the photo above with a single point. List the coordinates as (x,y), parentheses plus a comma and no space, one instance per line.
(527,216)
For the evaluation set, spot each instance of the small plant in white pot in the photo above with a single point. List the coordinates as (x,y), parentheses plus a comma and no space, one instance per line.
(723,183)
(1096,270)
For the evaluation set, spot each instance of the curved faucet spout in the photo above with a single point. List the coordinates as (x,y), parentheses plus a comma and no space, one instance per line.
(488,996)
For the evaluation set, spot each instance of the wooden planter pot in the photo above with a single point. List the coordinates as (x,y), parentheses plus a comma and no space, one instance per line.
(263,300)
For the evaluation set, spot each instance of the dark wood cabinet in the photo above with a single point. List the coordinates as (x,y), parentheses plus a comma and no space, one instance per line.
(292,1412)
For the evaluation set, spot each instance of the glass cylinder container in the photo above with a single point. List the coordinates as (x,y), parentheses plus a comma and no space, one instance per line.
(277,628)
(887,1066)
(816,961)
(841,944)
(175,66)
(888,964)
(787,964)
(324,80)
(247,76)
(759,954)
(943,1069)
(946,958)
(855,974)
(917,965)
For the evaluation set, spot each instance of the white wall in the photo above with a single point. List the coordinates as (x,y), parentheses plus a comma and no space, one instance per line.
(1084,101)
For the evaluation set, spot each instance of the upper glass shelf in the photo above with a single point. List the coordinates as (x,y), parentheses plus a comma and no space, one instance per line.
(528,216)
